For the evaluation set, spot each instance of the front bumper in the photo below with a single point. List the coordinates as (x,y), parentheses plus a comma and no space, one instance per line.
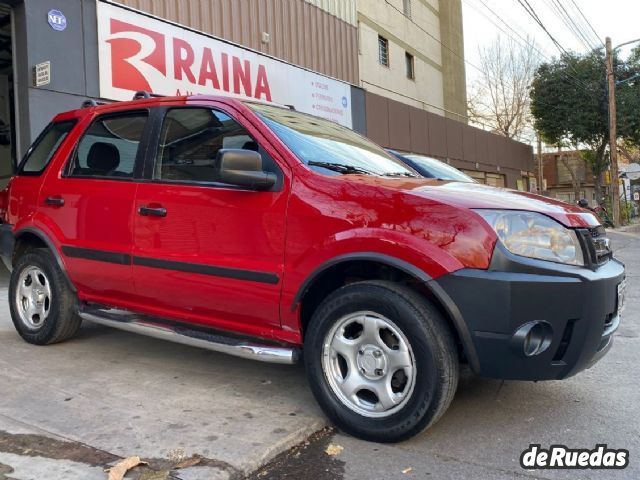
(578,306)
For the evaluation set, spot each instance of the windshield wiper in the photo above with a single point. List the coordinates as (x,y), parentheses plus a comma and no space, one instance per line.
(341,168)
(400,174)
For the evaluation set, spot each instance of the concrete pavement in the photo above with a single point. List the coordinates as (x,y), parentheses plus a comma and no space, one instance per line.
(111,394)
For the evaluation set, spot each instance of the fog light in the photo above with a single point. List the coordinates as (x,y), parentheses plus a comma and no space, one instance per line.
(533,338)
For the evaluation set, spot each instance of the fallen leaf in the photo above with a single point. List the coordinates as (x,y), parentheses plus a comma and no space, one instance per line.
(333,450)
(120,469)
(188,462)
(407,470)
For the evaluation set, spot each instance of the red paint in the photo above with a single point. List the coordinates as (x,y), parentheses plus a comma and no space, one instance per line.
(183,58)
(290,233)
(123,47)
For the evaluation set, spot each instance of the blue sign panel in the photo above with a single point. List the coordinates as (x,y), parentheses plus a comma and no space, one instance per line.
(57,20)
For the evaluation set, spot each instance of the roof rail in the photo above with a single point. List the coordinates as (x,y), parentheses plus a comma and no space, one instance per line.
(90,102)
(144,94)
(290,107)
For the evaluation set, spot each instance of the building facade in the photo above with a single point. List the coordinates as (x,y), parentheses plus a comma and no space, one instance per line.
(568,177)
(390,69)
(412,51)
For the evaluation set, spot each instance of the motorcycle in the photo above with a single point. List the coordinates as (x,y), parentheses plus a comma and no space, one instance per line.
(600,210)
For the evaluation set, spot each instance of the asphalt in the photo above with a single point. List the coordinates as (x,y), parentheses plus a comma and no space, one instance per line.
(68,411)
(491,422)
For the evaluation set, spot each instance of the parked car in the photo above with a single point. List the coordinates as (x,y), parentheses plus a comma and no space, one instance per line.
(263,232)
(431,167)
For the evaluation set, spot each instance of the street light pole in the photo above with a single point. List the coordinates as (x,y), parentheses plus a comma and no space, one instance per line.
(613,149)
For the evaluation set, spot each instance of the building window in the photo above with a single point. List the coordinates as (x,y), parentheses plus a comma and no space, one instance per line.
(493,179)
(410,66)
(406,8)
(383,51)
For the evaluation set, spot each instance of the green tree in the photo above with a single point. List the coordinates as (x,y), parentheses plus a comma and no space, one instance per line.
(569,104)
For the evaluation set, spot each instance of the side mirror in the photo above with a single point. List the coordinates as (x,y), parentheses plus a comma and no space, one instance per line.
(243,168)
(583,203)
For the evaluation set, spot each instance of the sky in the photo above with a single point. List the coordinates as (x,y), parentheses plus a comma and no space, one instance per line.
(619,19)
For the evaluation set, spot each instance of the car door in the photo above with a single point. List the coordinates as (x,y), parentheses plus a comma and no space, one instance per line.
(207,252)
(89,205)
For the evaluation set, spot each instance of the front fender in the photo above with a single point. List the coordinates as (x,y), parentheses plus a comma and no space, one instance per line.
(421,260)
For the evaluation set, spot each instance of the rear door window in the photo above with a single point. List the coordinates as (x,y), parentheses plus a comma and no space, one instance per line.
(110,146)
(45,147)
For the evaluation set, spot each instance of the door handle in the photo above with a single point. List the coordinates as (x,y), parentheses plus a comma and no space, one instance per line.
(54,201)
(146,211)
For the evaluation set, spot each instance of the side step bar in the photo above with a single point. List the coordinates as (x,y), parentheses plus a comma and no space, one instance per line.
(173,332)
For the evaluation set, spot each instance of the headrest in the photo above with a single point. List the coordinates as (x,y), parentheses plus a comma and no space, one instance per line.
(103,157)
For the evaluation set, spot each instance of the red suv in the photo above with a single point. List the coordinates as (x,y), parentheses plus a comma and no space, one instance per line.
(263,232)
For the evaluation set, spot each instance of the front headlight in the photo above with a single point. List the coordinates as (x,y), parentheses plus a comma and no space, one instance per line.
(534,235)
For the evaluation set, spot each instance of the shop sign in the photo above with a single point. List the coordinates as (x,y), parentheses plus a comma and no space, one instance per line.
(138,52)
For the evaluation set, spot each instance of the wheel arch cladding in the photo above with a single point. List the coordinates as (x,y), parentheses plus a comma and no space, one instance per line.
(31,236)
(344,269)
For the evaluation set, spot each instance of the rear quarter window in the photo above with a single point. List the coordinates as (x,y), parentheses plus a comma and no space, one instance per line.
(45,147)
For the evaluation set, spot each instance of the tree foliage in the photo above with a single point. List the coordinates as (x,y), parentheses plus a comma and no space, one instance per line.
(569,103)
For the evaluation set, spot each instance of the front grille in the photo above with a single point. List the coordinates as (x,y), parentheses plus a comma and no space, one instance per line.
(598,246)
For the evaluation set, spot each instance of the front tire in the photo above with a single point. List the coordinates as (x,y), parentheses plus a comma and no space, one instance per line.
(381,361)
(43,306)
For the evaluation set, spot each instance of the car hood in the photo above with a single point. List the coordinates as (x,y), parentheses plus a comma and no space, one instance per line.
(479,196)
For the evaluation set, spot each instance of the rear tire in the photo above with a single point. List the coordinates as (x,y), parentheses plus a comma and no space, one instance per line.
(381,361)
(43,306)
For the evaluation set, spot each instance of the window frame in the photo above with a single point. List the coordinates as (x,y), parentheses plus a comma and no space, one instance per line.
(382,40)
(140,154)
(20,169)
(154,147)
(410,66)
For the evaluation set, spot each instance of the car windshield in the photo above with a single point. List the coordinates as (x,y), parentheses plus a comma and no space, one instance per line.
(327,147)
(437,169)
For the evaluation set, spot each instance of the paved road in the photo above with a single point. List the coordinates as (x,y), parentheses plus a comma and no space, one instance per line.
(68,410)
(491,422)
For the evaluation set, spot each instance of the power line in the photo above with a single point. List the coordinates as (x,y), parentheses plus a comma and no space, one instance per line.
(461,115)
(576,82)
(532,13)
(588,22)
(570,23)
(433,37)
(530,10)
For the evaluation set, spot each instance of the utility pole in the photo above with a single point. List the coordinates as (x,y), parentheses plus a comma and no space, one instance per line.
(613,149)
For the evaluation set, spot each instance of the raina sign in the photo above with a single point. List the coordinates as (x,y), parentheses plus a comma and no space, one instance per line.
(137,52)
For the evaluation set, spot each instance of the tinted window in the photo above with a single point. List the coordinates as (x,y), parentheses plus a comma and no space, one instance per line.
(109,146)
(45,147)
(431,167)
(190,140)
(327,147)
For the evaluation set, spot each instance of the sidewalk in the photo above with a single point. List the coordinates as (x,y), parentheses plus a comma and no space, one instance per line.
(69,410)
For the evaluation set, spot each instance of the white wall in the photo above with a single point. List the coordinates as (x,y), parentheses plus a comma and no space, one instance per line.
(418,35)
